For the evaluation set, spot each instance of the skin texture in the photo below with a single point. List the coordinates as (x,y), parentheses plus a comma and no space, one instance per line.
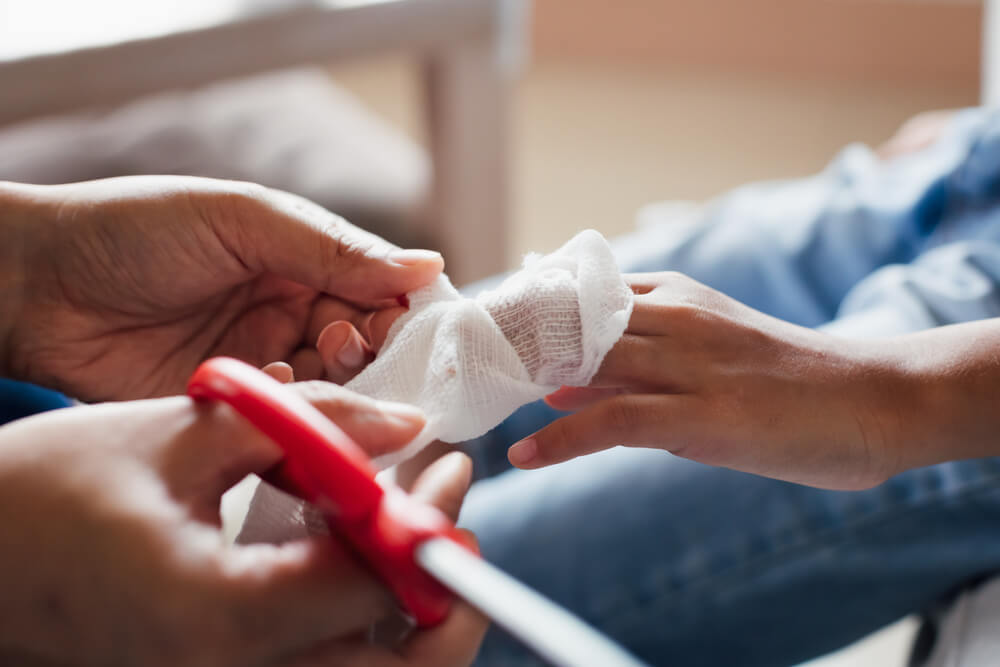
(118,289)
(111,552)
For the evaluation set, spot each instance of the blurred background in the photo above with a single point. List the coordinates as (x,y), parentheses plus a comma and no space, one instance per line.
(625,103)
(484,128)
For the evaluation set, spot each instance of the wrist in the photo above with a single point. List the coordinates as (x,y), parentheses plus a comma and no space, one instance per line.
(16,202)
(954,371)
(924,402)
(884,398)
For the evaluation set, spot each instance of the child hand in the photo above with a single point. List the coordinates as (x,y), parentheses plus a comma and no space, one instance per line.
(350,343)
(707,378)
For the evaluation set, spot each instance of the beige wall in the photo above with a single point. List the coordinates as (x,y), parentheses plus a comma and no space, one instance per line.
(625,102)
(873,40)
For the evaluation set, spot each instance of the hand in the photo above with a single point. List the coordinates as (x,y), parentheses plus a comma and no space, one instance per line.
(350,340)
(916,134)
(125,285)
(111,552)
(712,380)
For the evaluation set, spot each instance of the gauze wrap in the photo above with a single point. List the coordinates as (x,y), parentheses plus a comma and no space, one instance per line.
(469,363)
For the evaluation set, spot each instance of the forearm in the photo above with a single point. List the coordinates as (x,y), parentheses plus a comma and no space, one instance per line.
(948,408)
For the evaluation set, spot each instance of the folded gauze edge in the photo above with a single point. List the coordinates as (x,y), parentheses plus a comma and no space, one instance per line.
(470,363)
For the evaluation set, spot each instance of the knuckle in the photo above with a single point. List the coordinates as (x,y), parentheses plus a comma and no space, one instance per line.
(677,284)
(674,278)
(560,433)
(633,359)
(331,228)
(679,289)
(254,191)
(621,414)
(334,245)
(241,196)
(610,366)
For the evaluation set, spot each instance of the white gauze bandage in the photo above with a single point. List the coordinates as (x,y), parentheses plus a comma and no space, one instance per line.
(469,363)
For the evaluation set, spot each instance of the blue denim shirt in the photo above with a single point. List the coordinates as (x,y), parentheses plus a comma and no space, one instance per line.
(866,247)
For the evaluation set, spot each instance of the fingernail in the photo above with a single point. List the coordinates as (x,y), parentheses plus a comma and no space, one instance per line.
(455,461)
(523,452)
(280,371)
(333,335)
(352,353)
(414,256)
(410,415)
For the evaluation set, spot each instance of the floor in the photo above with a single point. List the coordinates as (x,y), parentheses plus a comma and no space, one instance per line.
(593,142)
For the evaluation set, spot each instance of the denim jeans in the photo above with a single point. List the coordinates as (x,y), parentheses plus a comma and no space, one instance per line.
(691,565)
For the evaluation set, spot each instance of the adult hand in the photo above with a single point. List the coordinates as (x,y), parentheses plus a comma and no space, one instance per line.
(712,380)
(111,552)
(123,286)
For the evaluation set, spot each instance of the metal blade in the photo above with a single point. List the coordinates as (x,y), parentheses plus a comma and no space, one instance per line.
(552,632)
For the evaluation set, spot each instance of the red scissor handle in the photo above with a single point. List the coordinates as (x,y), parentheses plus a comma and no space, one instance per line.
(323,465)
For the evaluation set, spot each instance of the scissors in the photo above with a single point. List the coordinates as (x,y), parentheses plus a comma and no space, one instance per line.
(413,548)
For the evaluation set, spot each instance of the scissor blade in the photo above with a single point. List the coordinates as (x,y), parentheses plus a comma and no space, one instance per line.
(552,632)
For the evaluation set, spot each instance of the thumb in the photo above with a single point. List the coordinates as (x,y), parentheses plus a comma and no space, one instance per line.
(296,239)
(445,482)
